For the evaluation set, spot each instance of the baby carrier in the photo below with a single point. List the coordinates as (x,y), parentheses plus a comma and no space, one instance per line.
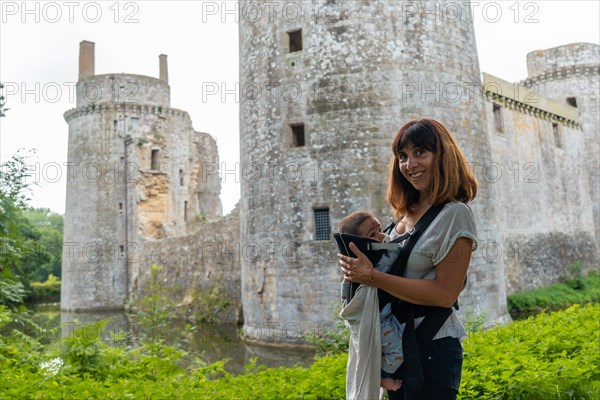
(396,254)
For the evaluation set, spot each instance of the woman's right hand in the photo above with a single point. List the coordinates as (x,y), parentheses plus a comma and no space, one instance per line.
(359,269)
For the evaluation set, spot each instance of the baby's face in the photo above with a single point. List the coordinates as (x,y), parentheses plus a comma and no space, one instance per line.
(371,228)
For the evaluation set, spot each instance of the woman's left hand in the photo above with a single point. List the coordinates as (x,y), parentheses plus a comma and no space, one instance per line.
(359,270)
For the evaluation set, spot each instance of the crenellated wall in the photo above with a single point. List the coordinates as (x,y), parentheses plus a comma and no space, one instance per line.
(146,184)
(123,89)
(543,192)
(135,175)
(572,73)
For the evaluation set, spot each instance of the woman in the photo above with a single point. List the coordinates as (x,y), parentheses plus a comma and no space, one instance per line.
(427,169)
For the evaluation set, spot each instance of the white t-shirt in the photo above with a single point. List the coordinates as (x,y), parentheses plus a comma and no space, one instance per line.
(454,221)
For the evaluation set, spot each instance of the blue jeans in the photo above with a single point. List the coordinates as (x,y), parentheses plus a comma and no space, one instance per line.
(442,368)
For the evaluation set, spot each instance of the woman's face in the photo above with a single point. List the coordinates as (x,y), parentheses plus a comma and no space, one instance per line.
(416,164)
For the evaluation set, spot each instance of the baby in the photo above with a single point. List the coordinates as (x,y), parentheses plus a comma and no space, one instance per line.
(363,223)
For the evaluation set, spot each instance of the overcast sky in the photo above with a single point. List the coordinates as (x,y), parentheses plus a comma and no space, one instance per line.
(39,49)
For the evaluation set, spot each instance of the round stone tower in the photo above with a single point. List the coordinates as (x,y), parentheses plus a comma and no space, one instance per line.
(325,86)
(134,172)
(571,74)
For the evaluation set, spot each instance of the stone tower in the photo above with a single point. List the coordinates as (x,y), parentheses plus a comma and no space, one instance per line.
(571,75)
(325,86)
(135,172)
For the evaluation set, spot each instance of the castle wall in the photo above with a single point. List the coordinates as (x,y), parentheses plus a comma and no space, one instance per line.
(543,193)
(572,71)
(200,270)
(122,89)
(204,177)
(93,267)
(134,176)
(363,73)
(175,188)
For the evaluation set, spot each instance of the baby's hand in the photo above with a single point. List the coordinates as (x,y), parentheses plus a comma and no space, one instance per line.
(391,383)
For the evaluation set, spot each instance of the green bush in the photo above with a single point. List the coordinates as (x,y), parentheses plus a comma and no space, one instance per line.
(46,291)
(577,290)
(549,356)
(332,337)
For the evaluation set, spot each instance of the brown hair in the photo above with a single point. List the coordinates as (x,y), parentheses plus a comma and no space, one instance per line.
(351,223)
(452,180)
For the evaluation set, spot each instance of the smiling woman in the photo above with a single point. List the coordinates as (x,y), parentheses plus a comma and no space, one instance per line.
(428,167)
(415,165)
(428,171)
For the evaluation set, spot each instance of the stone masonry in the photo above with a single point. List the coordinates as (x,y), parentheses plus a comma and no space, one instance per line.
(323,91)
(350,74)
(364,71)
(136,179)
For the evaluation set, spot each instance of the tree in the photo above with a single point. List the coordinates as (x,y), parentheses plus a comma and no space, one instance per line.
(30,239)
(2,102)
(47,257)
(15,230)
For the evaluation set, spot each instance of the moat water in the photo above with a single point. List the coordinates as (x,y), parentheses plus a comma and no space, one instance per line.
(212,342)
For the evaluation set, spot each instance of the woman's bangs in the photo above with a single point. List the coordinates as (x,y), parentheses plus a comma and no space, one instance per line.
(419,135)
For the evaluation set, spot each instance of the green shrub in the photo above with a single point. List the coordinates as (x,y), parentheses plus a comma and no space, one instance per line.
(332,337)
(12,290)
(212,302)
(324,379)
(20,347)
(154,311)
(546,357)
(46,291)
(549,356)
(577,290)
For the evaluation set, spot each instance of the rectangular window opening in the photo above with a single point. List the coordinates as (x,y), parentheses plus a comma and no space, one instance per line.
(185,211)
(295,38)
(154,161)
(297,135)
(498,123)
(572,101)
(322,224)
(115,124)
(120,206)
(134,123)
(180,177)
(556,132)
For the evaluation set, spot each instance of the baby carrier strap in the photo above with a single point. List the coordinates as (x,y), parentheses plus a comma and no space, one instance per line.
(410,239)
(429,326)
(412,374)
(413,236)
